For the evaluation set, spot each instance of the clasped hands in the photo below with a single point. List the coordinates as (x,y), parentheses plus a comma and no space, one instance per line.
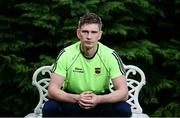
(88,100)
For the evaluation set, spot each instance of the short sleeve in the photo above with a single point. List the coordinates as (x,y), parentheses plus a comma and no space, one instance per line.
(60,64)
(116,66)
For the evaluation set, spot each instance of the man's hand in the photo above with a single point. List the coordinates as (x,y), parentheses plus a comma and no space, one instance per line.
(88,100)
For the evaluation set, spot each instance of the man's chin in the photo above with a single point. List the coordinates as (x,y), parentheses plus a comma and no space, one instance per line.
(88,46)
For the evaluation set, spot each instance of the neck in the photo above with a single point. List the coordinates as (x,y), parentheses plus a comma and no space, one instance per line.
(89,52)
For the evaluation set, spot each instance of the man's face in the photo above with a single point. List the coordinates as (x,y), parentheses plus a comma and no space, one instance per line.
(89,34)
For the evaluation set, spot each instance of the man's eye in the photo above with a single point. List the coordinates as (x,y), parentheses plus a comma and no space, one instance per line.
(87,32)
(94,32)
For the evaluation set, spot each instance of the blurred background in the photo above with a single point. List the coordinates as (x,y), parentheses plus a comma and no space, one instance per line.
(145,33)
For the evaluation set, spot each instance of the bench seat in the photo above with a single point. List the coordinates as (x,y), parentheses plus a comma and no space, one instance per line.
(135,80)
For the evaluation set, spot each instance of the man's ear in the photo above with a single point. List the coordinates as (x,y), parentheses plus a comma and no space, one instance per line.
(78,33)
(100,35)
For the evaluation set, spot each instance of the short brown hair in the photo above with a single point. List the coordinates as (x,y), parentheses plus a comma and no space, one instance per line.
(90,18)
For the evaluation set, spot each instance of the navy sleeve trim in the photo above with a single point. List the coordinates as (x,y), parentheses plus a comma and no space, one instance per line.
(55,64)
(120,63)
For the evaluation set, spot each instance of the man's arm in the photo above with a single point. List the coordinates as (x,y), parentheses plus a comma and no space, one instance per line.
(54,91)
(119,94)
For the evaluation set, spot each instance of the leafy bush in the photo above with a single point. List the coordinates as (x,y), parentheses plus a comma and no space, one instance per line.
(143,32)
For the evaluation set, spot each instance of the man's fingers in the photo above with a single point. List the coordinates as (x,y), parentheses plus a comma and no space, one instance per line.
(85,102)
(85,106)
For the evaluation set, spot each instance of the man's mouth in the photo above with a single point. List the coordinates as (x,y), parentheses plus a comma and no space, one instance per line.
(88,42)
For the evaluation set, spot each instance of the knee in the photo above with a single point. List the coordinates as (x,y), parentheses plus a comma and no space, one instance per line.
(123,109)
(51,108)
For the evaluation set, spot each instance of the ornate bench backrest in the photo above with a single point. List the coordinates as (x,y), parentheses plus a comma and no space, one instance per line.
(41,78)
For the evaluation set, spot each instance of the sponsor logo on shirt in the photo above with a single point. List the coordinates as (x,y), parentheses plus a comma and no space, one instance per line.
(79,70)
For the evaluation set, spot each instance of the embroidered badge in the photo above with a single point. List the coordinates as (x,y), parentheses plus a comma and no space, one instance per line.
(97,70)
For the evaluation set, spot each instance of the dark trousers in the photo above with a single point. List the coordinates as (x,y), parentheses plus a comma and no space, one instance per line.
(53,108)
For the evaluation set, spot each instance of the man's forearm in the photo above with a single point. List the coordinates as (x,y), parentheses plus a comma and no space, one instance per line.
(113,97)
(63,96)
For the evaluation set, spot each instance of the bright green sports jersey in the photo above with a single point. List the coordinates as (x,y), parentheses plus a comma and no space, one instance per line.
(83,74)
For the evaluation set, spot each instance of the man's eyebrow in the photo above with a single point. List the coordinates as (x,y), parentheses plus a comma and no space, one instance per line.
(94,31)
(84,30)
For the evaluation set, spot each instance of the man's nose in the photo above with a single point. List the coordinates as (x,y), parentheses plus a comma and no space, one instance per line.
(89,35)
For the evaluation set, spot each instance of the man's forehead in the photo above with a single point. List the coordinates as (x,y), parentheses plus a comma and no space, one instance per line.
(90,27)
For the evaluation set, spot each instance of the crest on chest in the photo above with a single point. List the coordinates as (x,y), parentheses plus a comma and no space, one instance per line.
(97,70)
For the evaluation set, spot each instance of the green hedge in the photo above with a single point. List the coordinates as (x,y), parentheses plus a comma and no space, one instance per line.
(145,33)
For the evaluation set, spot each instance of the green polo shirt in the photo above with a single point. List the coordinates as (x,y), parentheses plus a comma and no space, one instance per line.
(88,74)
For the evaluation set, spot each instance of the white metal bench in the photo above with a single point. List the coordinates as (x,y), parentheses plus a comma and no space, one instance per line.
(135,78)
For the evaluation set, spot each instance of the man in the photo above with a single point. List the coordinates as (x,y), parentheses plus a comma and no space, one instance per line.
(79,84)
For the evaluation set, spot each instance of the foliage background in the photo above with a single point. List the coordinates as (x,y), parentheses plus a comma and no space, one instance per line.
(144,32)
